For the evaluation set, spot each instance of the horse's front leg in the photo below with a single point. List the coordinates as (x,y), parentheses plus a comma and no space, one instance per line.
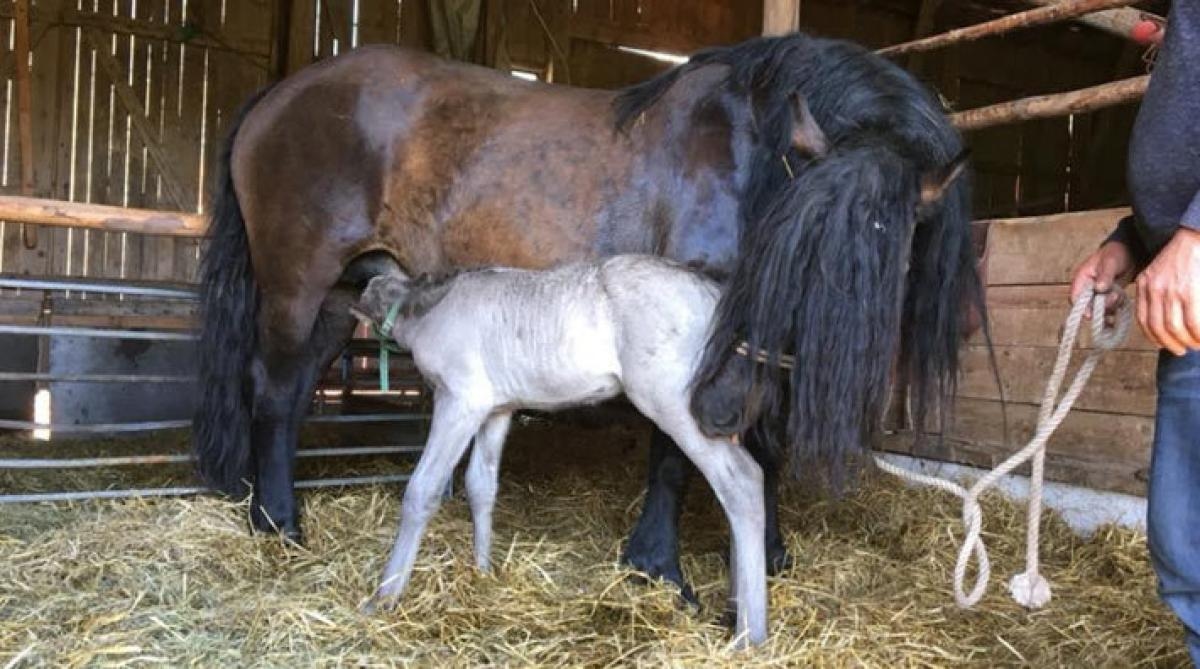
(653,547)
(454,422)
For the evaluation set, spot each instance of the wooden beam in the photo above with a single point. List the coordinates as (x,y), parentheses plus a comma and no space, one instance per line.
(24,108)
(780,17)
(1053,105)
(101,217)
(137,114)
(1059,11)
(1119,22)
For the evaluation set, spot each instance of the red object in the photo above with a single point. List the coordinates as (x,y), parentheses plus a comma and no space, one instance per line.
(1146,32)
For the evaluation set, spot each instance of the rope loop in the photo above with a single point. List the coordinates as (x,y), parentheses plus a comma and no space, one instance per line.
(1028,588)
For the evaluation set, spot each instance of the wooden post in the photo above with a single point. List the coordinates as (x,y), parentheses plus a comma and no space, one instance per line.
(780,17)
(1067,9)
(926,18)
(24,110)
(1049,106)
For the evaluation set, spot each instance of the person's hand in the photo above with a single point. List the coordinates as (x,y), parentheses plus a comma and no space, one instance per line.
(1110,266)
(1168,295)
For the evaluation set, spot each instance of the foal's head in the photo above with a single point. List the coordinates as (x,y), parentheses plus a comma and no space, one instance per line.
(410,298)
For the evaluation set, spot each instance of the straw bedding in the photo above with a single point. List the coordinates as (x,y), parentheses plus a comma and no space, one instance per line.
(182,582)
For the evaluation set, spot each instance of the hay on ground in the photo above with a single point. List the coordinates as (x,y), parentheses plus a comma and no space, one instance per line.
(181,582)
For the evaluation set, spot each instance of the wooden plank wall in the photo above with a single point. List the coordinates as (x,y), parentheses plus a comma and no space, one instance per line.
(130,99)
(1105,442)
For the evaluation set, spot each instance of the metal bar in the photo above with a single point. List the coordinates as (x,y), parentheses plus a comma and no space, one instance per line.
(1067,9)
(180,458)
(93,287)
(94,428)
(370,418)
(95,332)
(175,424)
(94,378)
(183,491)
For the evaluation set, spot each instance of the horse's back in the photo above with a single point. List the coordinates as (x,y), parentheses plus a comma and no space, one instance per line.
(441,164)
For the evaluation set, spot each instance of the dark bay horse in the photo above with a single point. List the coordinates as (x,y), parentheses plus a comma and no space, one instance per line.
(797,171)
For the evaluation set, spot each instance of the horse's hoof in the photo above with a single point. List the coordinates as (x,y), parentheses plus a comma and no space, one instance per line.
(728,618)
(778,561)
(650,571)
(289,531)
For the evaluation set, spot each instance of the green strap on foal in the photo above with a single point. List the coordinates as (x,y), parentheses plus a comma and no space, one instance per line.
(383,333)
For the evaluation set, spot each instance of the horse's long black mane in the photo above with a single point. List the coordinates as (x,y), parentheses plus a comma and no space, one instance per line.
(803,239)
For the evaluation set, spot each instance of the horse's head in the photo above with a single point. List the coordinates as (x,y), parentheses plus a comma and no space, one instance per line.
(863,256)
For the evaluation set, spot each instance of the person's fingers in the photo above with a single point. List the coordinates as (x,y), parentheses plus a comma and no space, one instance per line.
(1085,273)
(1191,316)
(1143,310)
(1156,320)
(1176,326)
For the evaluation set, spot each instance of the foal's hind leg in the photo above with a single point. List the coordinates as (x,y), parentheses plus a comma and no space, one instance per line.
(482,483)
(454,421)
(653,547)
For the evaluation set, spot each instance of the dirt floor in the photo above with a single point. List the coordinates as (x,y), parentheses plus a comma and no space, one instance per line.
(182,582)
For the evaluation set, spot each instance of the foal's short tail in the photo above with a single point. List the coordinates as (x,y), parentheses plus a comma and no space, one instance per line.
(228,335)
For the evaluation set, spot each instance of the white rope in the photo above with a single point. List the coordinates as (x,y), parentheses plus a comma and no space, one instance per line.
(1029,588)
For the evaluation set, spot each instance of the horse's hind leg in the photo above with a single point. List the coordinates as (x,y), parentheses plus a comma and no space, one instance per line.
(285,375)
(482,473)
(454,422)
(653,547)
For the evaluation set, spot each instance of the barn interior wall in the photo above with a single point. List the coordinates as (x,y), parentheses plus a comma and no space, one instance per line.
(131,97)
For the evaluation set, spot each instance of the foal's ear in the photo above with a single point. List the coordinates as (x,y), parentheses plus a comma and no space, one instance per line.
(807,136)
(358,311)
(935,183)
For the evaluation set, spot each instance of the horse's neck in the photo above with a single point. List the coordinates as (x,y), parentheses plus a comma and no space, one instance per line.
(700,167)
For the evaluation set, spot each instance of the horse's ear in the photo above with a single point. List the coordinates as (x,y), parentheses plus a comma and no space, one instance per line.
(934,184)
(807,136)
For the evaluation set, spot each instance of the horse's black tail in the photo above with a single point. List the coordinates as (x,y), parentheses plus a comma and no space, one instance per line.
(228,335)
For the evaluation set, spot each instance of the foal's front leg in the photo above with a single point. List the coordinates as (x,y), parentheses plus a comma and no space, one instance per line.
(482,474)
(454,421)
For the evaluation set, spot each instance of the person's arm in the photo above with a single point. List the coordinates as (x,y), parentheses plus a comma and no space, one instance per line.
(1127,234)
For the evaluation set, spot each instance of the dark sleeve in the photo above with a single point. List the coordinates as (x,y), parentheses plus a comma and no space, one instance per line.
(1127,233)
(1164,150)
